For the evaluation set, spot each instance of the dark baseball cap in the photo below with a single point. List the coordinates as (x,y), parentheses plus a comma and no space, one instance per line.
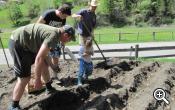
(70,30)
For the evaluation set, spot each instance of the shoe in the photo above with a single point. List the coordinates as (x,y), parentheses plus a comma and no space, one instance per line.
(79,84)
(51,90)
(79,81)
(85,77)
(14,108)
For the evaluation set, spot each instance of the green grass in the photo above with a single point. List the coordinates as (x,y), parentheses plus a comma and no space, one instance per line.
(130,34)
(172,60)
(108,35)
(5,38)
(4,19)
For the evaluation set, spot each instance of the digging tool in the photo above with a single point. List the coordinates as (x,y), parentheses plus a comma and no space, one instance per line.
(104,64)
(71,54)
(95,42)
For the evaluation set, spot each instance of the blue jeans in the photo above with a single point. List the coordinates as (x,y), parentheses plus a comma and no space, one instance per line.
(85,69)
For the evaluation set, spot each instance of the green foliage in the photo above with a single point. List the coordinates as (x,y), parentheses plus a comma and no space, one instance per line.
(144,4)
(167,20)
(104,6)
(138,19)
(109,12)
(127,4)
(15,13)
(33,8)
(57,3)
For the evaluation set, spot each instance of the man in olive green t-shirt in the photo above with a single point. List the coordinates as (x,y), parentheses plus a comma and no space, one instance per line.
(30,44)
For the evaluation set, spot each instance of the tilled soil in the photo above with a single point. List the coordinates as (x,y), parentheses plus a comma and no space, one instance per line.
(122,85)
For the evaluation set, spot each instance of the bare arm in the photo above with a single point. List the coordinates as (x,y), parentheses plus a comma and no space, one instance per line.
(39,64)
(79,17)
(41,20)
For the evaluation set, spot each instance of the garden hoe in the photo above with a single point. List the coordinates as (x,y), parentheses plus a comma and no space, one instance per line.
(106,64)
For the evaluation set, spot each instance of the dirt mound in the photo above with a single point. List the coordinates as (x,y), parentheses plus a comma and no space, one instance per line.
(123,85)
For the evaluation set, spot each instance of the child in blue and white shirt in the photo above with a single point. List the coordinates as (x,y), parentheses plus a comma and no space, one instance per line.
(54,55)
(86,65)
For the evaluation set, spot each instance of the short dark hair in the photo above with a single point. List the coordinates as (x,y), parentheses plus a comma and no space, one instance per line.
(65,9)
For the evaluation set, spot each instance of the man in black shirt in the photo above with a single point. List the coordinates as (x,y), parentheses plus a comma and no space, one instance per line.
(55,18)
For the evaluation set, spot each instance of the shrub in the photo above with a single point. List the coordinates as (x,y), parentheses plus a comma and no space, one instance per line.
(138,18)
(118,17)
(103,19)
(15,13)
(167,20)
(33,9)
(57,3)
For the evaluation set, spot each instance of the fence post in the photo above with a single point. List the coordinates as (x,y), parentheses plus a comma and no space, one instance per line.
(119,36)
(130,54)
(136,51)
(154,35)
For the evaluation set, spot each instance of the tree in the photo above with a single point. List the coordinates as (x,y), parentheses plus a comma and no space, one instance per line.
(15,13)
(33,8)
(57,3)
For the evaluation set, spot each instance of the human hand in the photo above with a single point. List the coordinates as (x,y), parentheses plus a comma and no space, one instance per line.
(37,84)
(79,17)
(56,68)
(85,54)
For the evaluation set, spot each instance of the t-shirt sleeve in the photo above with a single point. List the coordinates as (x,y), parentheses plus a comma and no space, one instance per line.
(80,12)
(81,51)
(45,15)
(51,41)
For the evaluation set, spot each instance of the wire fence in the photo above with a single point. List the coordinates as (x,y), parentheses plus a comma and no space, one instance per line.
(134,52)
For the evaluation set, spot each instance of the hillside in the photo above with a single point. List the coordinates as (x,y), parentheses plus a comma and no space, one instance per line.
(110,12)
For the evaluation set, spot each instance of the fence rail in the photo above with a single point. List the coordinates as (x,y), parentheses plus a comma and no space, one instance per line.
(136,51)
(120,35)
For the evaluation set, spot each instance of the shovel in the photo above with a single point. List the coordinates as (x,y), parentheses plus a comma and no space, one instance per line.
(71,54)
(104,64)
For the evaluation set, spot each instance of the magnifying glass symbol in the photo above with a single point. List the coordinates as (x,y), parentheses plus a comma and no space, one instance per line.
(159,94)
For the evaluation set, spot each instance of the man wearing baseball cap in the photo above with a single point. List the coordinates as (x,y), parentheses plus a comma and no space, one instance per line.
(55,18)
(29,45)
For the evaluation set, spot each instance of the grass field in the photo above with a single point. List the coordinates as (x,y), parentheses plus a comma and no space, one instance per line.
(107,35)
(103,35)
(159,59)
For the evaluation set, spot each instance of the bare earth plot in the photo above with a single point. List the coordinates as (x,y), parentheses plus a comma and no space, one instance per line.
(125,85)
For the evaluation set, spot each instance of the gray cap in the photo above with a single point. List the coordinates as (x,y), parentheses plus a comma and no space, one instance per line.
(70,30)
